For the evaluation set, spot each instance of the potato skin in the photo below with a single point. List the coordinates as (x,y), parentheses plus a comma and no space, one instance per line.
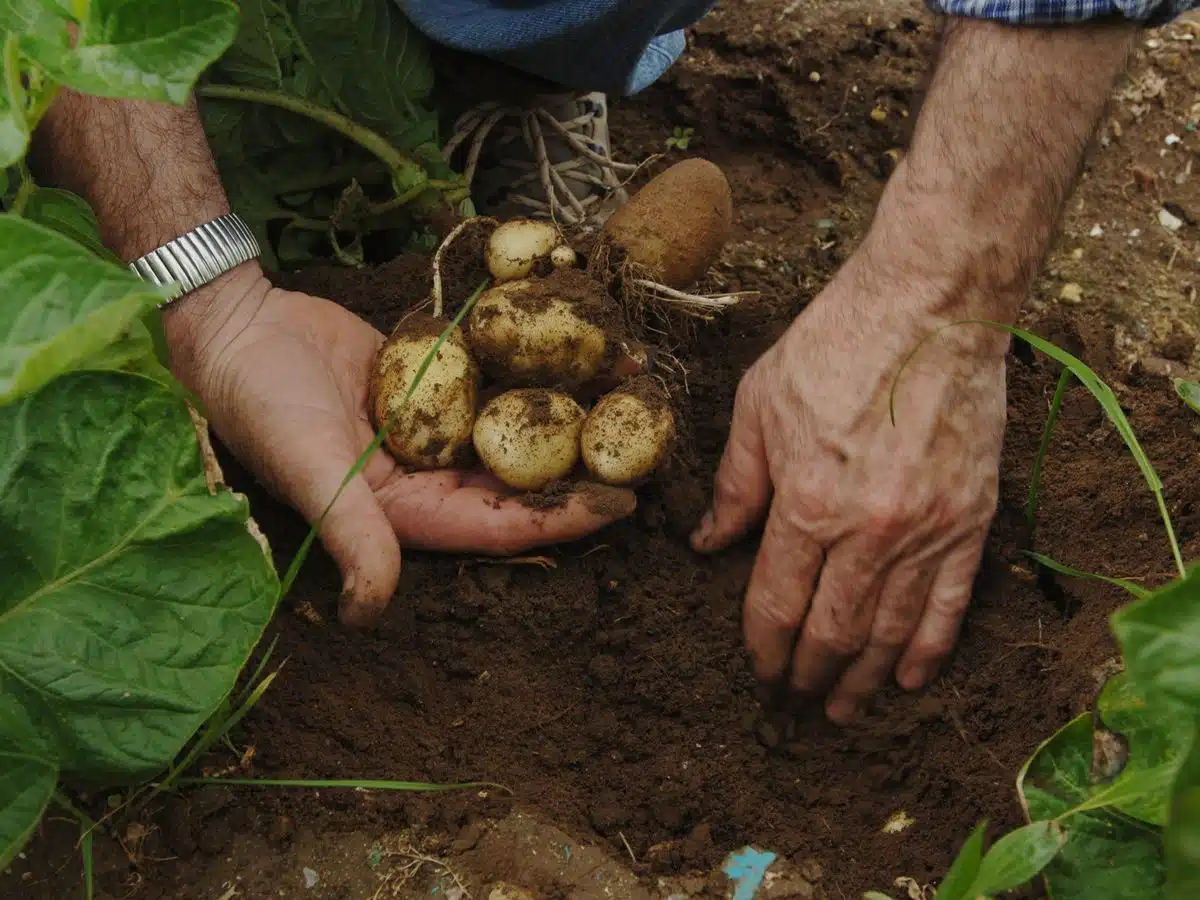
(543,343)
(433,430)
(626,437)
(529,437)
(518,245)
(677,224)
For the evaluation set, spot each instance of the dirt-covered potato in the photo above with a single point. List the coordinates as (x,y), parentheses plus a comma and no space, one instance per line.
(516,247)
(676,225)
(628,434)
(529,437)
(433,429)
(525,333)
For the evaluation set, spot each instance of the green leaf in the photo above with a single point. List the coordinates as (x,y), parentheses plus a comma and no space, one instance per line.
(1183,831)
(61,305)
(1017,858)
(1158,738)
(384,95)
(1106,853)
(133,596)
(138,49)
(1136,589)
(1189,393)
(965,868)
(69,215)
(1160,640)
(28,775)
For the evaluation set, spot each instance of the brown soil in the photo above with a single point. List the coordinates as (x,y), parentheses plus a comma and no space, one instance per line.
(609,691)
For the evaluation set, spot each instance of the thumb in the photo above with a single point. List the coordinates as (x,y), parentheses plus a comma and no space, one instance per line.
(355,531)
(742,489)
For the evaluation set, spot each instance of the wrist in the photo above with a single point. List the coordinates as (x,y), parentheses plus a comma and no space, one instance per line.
(200,325)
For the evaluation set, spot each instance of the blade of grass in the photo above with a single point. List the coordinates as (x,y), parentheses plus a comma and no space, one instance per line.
(257,674)
(85,852)
(1099,389)
(360,784)
(1035,479)
(302,554)
(1136,589)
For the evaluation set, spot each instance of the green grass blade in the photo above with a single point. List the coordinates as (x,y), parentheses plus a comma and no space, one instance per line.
(1099,389)
(302,554)
(85,852)
(360,784)
(1136,589)
(257,674)
(1035,479)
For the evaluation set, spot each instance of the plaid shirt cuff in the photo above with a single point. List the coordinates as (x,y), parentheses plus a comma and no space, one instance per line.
(1061,12)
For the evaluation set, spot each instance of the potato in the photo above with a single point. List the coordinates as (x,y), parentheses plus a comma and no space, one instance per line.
(524,333)
(433,430)
(529,437)
(628,434)
(516,246)
(677,224)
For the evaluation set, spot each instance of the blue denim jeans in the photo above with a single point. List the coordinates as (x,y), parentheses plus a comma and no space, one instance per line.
(617,46)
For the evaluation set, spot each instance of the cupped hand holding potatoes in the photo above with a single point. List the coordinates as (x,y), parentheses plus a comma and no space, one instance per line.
(874,530)
(284,378)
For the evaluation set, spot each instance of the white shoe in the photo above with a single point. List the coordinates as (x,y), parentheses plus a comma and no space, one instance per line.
(550,159)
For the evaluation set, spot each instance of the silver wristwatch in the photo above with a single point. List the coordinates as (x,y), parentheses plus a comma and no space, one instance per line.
(199,257)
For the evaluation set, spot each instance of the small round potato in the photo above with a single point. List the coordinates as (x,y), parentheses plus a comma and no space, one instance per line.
(516,246)
(529,437)
(627,436)
(433,429)
(523,338)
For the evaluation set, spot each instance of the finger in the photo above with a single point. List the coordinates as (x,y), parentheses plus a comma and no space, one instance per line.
(442,511)
(742,489)
(355,531)
(777,597)
(947,604)
(839,624)
(897,616)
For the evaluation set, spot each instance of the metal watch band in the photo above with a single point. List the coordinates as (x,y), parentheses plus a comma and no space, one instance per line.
(199,257)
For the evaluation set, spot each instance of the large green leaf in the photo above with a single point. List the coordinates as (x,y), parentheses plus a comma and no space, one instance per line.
(69,215)
(61,305)
(1183,831)
(138,49)
(1106,854)
(28,774)
(338,37)
(1158,738)
(1160,641)
(131,596)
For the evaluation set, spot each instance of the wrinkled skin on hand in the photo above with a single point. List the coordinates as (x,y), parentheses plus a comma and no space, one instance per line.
(284,379)
(874,530)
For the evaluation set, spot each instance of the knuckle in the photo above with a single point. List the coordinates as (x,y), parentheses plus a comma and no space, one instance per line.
(776,614)
(834,642)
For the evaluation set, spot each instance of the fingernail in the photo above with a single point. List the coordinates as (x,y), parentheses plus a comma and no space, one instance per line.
(703,532)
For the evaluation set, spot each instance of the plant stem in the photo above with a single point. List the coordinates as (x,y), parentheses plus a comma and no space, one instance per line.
(348,128)
(24,191)
(1171,538)
(1035,480)
(12,77)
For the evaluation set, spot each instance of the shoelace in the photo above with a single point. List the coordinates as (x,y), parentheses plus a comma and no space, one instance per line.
(558,202)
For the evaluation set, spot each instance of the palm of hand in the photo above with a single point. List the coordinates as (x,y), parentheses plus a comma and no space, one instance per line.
(288,394)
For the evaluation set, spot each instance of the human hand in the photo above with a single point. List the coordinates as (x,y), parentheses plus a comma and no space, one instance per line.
(284,378)
(874,531)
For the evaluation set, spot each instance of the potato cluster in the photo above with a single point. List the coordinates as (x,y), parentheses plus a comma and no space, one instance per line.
(514,385)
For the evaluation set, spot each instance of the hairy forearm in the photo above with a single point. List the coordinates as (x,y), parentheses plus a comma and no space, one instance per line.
(147,171)
(999,143)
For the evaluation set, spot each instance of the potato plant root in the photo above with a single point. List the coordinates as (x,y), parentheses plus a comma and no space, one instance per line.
(610,691)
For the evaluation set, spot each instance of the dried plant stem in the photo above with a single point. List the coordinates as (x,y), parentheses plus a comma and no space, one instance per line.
(699,305)
(437,293)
